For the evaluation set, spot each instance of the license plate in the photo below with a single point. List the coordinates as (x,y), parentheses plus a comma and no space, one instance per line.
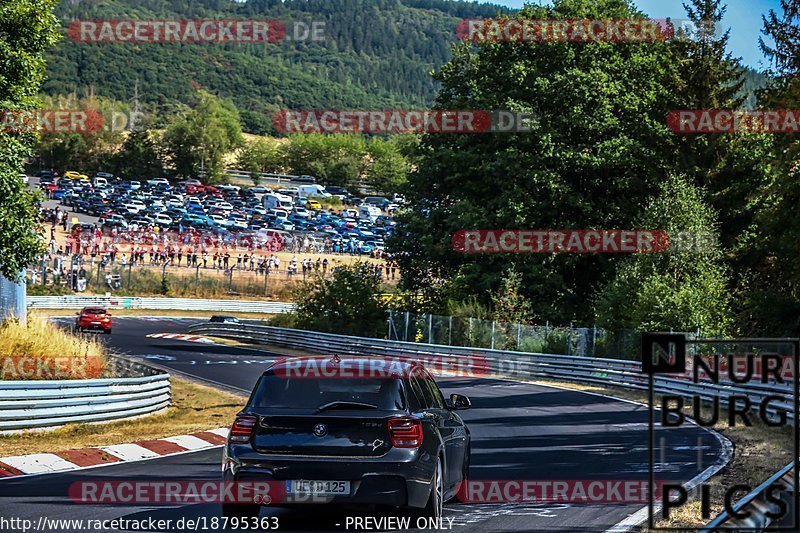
(95,323)
(325,488)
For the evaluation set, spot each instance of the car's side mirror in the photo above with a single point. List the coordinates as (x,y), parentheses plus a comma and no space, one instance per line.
(458,402)
(78,314)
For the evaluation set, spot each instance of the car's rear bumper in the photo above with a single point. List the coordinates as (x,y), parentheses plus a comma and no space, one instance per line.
(401,478)
(95,327)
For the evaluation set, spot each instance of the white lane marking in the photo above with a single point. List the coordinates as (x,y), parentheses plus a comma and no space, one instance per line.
(130,452)
(38,462)
(222,432)
(189,442)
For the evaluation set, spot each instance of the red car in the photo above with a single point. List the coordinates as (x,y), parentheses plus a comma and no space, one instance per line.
(93,319)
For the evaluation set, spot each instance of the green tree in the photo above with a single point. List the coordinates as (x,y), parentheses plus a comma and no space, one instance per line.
(597,151)
(349,303)
(261,155)
(388,168)
(768,290)
(337,159)
(28,29)
(140,156)
(680,289)
(199,138)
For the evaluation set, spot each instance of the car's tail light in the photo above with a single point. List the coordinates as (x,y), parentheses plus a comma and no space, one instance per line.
(243,429)
(405,432)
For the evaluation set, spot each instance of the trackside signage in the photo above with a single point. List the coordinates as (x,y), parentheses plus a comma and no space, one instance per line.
(735,383)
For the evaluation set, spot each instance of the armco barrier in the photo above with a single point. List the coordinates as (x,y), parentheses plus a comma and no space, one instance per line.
(586,370)
(185,304)
(39,404)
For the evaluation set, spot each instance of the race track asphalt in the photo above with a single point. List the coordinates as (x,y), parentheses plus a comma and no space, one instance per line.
(519,432)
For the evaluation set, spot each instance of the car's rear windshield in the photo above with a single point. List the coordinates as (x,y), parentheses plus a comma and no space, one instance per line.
(94,311)
(311,392)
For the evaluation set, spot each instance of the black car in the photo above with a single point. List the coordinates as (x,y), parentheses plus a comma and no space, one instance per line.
(349,437)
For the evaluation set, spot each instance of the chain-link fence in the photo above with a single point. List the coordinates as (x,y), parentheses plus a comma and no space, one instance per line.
(79,274)
(472,332)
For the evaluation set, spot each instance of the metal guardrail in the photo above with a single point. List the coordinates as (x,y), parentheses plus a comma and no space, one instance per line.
(756,503)
(38,404)
(586,370)
(122,302)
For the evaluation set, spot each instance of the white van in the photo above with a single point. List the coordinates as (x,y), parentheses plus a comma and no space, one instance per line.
(369,212)
(277,201)
(313,190)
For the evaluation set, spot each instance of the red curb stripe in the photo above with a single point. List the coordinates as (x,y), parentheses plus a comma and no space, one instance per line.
(161,447)
(88,457)
(207,436)
(9,471)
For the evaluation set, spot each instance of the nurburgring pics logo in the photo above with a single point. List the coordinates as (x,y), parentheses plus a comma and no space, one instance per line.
(751,378)
(734,121)
(193,31)
(402,121)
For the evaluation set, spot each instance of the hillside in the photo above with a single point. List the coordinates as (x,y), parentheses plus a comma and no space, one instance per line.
(376,53)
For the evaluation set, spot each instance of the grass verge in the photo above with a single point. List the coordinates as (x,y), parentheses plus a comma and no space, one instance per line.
(194,408)
(37,350)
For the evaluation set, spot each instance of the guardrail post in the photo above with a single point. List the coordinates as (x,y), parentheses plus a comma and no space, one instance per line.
(450,332)
(519,334)
(569,340)
(492,334)
(405,333)
(430,328)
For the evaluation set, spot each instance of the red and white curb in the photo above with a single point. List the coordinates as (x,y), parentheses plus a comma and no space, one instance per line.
(181,337)
(41,463)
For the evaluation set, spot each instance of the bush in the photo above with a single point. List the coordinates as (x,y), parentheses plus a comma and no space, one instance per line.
(349,303)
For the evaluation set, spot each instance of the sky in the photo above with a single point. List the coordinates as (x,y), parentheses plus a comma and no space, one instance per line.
(743,18)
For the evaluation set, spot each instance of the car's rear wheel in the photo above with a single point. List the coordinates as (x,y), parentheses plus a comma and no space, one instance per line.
(234,510)
(433,509)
